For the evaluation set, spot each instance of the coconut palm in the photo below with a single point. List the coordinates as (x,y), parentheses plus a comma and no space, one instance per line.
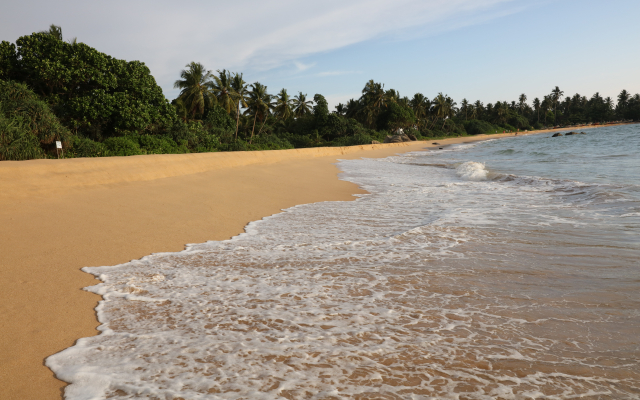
(464,107)
(240,96)
(259,104)
(556,94)
(443,107)
(301,106)
(536,106)
(478,108)
(522,101)
(282,108)
(223,90)
(196,88)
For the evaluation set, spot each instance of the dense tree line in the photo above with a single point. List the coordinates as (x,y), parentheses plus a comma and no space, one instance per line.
(96,105)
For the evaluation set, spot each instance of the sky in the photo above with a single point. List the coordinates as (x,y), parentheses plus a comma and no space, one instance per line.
(485,50)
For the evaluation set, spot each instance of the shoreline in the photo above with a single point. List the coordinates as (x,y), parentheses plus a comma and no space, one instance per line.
(58,216)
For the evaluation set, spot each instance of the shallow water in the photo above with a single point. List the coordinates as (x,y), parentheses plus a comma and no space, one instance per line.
(504,269)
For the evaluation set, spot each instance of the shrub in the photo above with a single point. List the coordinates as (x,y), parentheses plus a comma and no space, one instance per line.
(122,146)
(150,144)
(28,115)
(83,147)
(478,127)
(16,142)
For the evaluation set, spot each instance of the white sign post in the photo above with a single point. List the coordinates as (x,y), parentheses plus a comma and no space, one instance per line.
(59,146)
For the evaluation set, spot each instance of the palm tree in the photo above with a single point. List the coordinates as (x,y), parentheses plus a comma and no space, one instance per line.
(536,106)
(501,110)
(478,108)
(259,104)
(301,106)
(522,101)
(420,106)
(341,109)
(556,94)
(443,107)
(240,96)
(474,111)
(196,88)
(282,107)
(224,91)
(464,107)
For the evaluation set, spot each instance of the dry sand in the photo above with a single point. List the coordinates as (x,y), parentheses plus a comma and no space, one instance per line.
(57,216)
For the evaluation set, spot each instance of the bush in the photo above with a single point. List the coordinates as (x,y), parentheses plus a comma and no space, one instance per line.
(83,147)
(29,122)
(478,127)
(122,146)
(16,142)
(150,144)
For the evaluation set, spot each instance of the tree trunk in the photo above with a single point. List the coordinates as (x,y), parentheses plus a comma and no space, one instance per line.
(254,126)
(237,120)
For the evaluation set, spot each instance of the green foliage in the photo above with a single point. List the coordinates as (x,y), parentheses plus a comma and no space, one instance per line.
(155,144)
(92,93)
(16,142)
(478,127)
(7,59)
(396,116)
(320,110)
(122,146)
(83,147)
(28,122)
(217,117)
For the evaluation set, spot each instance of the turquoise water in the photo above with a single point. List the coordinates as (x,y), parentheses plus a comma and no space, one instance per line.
(504,269)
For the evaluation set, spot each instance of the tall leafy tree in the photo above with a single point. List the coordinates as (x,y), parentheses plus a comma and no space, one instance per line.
(259,104)
(240,95)
(556,94)
(464,107)
(90,92)
(196,88)
(522,102)
(282,108)
(223,90)
(537,106)
(301,106)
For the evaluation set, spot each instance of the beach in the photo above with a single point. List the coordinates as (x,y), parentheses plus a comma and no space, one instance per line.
(58,216)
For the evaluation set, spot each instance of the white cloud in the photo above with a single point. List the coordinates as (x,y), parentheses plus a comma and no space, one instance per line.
(336,73)
(303,67)
(241,35)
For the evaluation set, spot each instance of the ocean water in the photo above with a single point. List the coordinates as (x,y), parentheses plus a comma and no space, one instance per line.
(504,269)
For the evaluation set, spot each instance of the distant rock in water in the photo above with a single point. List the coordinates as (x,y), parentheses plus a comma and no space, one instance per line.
(582,133)
(570,133)
(397,139)
(375,142)
(557,134)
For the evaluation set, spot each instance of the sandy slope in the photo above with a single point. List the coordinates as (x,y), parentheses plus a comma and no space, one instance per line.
(57,216)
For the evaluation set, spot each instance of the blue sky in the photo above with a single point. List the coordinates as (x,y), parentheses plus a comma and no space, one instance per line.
(484,50)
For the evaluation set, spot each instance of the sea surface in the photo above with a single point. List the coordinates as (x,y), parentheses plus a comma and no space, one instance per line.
(503,269)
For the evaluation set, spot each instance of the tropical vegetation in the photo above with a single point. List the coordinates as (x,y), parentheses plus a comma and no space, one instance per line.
(54,90)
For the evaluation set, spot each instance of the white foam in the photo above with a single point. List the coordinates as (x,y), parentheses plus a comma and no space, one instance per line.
(472,171)
(396,294)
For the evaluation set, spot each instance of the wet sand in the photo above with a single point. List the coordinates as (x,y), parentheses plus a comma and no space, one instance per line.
(57,216)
